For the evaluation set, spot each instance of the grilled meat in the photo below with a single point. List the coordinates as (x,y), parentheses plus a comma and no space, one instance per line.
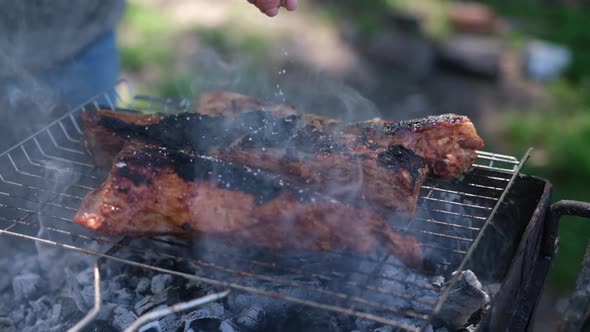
(154,190)
(235,113)
(106,131)
(388,178)
(231,104)
(447,142)
(100,141)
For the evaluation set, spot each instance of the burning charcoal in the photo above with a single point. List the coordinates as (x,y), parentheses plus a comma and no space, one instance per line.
(196,286)
(144,305)
(30,317)
(383,329)
(207,318)
(88,296)
(466,297)
(27,286)
(6,325)
(142,286)
(86,276)
(228,326)
(174,296)
(122,318)
(39,326)
(68,310)
(171,323)
(99,326)
(438,282)
(41,306)
(151,327)
(106,311)
(18,314)
(122,296)
(306,319)
(4,281)
(160,282)
(75,291)
(252,318)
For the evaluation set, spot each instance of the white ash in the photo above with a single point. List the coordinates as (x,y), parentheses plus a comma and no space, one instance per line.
(160,282)
(129,292)
(123,318)
(27,286)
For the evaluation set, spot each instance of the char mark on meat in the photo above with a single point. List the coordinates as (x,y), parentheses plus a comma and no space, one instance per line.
(449,142)
(154,191)
(300,153)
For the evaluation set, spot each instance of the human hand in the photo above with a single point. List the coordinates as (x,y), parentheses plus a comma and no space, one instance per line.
(271,7)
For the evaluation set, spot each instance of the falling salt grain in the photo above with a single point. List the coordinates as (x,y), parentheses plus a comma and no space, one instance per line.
(121,164)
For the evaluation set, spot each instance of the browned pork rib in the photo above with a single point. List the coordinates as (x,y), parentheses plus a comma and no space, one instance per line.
(233,104)
(226,113)
(448,142)
(388,178)
(152,190)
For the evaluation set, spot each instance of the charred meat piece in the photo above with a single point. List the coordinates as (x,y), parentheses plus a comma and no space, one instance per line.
(389,179)
(106,131)
(447,142)
(231,104)
(100,141)
(233,112)
(152,190)
(307,156)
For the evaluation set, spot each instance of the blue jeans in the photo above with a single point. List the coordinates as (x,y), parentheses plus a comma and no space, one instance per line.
(93,72)
(31,101)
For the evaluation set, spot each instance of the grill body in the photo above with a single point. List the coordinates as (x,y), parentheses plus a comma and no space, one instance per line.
(521,223)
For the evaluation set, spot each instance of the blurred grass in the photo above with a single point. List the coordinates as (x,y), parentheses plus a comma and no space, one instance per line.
(561,131)
(149,42)
(561,135)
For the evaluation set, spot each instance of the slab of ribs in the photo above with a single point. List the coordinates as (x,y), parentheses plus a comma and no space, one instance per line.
(265,175)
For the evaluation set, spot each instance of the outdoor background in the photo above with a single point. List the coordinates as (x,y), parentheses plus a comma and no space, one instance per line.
(395,59)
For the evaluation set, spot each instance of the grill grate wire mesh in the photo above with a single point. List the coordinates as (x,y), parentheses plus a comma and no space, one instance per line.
(44,178)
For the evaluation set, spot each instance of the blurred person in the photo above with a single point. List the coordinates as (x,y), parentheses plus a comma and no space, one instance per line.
(68,47)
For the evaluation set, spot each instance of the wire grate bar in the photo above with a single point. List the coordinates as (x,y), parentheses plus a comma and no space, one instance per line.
(460,193)
(47,175)
(218,267)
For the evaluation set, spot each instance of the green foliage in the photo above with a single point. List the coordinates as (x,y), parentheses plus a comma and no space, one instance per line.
(147,20)
(561,136)
(228,38)
(568,26)
(136,57)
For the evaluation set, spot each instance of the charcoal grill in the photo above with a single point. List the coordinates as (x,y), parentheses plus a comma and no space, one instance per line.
(493,216)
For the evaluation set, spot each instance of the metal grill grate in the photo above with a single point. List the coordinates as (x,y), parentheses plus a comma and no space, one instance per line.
(44,178)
